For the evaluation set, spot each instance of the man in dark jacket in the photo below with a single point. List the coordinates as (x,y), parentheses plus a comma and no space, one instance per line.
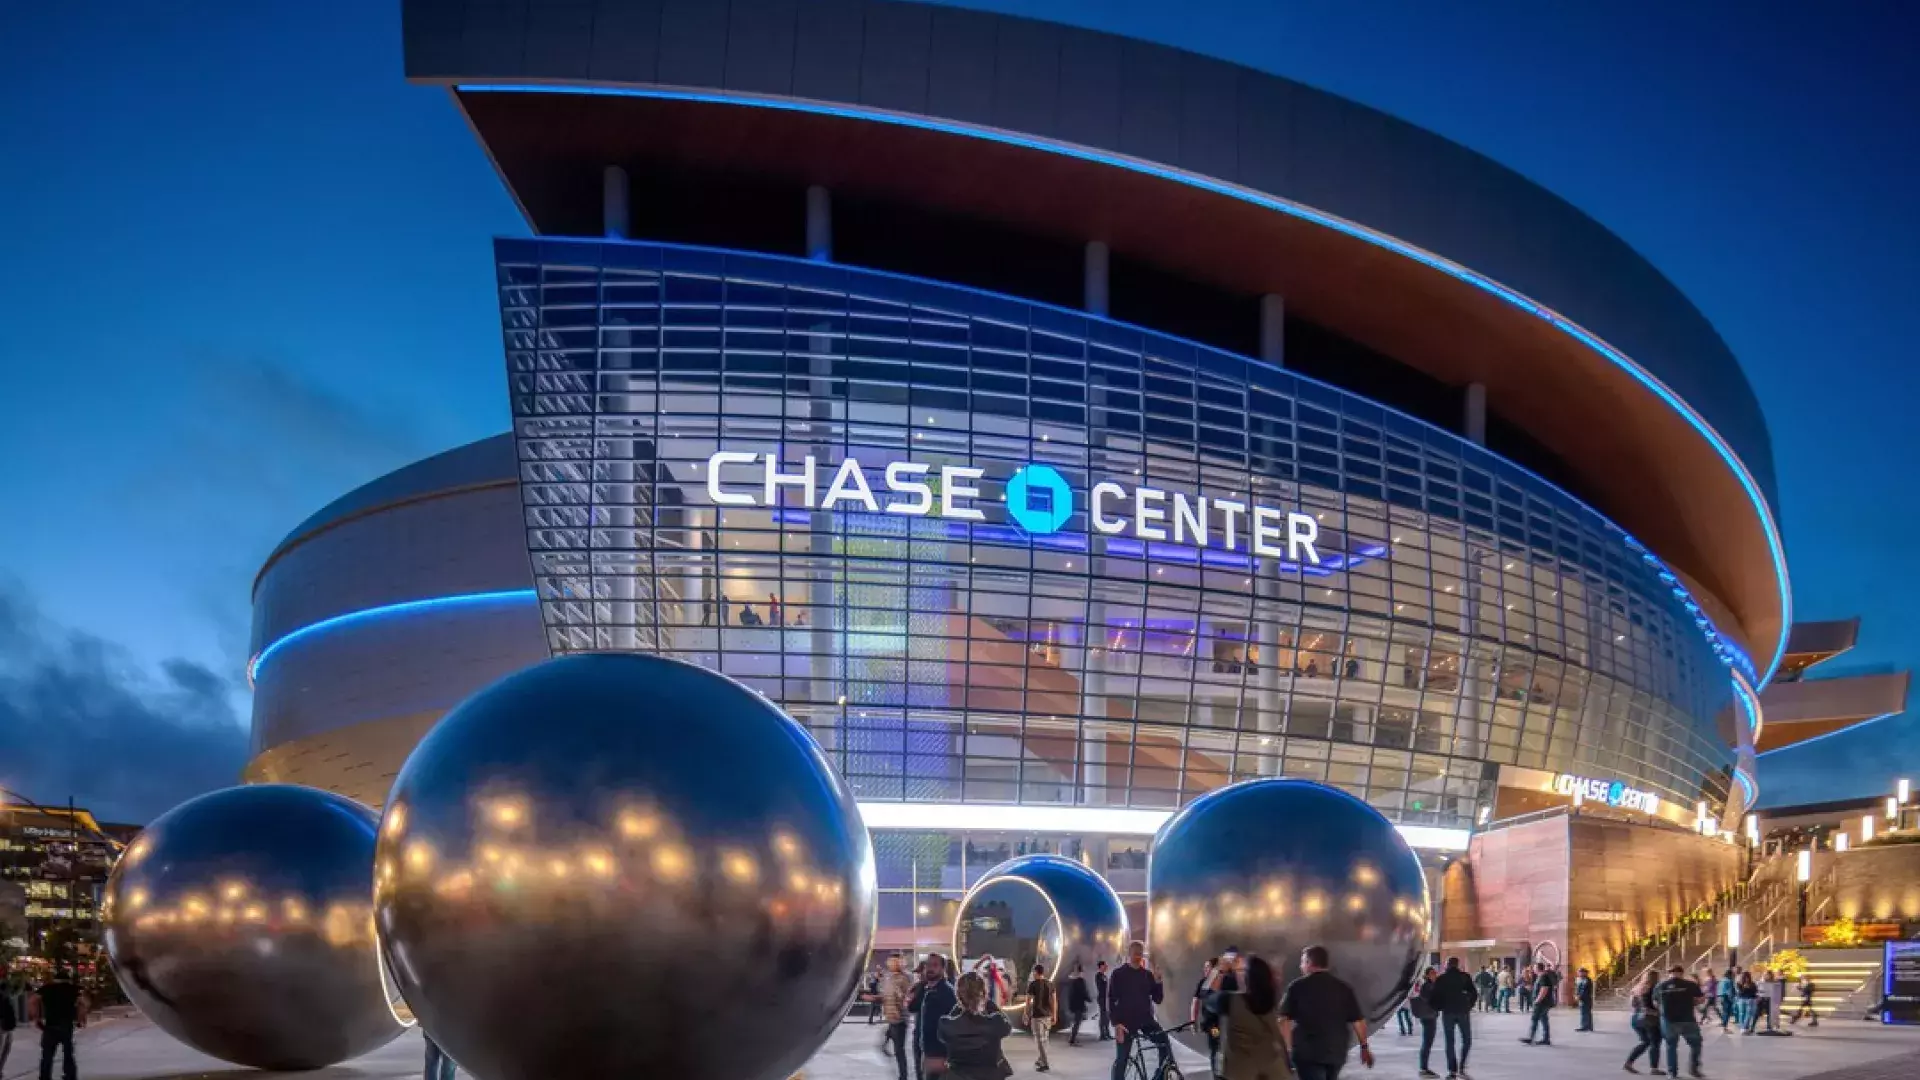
(1546,992)
(1132,992)
(58,1007)
(1076,995)
(1488,985)
(1453,996)
(931,999)
(1100,998)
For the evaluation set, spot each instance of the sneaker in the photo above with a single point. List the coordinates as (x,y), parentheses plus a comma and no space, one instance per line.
(1629,1067)
(1544,1042)
(1528,1040)
(1430,1072)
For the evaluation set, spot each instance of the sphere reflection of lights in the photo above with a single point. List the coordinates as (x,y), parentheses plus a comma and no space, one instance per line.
(241,924)
(577,829)
(1041,909)
(1272,866)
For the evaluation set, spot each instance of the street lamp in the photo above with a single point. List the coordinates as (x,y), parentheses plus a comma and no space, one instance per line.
(1840,840)
(1753,829)
(1904,790)
(1733,939)
(1803,866)
(1866,829)
(1893,809)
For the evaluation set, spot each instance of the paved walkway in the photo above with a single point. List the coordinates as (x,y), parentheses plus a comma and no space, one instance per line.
(129,1048)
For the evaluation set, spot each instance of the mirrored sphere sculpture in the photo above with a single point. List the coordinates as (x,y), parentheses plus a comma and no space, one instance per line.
(1272,866)
(241,923)
(623,865)
(1041,909)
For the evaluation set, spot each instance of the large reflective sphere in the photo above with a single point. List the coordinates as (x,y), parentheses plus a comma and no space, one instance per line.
(623,865)
(1041,909)
(241,923)
(1272,866)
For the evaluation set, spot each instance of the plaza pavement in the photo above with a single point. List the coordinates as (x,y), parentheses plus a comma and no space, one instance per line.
(127,1047)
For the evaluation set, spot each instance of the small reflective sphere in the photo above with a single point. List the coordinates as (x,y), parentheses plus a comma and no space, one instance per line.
(1041,909)
(1272,866)
(241,923)
(623,865)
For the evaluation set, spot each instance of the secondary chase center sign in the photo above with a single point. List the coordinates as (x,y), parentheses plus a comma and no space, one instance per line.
(1039,500)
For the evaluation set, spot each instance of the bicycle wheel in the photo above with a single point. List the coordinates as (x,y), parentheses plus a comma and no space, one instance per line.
(1137,1067)
(1172,1072)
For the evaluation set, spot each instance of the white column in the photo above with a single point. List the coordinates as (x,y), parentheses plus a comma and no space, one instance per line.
(1476,418)
(1095,294)
(1273,330)
(615,202)
(819,224)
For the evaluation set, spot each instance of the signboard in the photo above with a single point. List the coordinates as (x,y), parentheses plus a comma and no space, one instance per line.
(1610,792)
(1604,916)
(1039,500)
(1901,983)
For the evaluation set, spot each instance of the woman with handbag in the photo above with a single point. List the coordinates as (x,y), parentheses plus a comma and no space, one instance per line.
(973,1032)
(1646,1024)
(1250,1046)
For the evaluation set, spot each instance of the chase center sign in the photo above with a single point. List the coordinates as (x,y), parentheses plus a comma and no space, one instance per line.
(1039,500)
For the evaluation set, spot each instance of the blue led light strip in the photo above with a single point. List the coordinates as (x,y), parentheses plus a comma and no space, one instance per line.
(409,607)
(1848,730)
(1270,202)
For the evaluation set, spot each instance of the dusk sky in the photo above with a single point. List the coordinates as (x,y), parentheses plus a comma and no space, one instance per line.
(244,266)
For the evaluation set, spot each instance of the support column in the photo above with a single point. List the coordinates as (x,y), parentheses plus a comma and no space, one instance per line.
(1095,294)
(1273,330)
(615,203)
(819,224)
(1476,418)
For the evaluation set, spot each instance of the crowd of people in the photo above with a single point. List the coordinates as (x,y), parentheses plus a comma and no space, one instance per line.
(1255,1029)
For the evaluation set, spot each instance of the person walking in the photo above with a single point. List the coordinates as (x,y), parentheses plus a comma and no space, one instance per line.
(1319,1014)
(1100,999)
(1747,995)
(1546,987)
(1489,986)
(1505,981)
(7,1023)
(893,990)
(1727,987)
(58,1008)
(1403,1016)
(1704,976)
(1646,1024)
(971,1034)
(1249,1012)
(1132,992)
(932,999)
(1805,1008)
(1203,1019)
(1583,997)
(870,993)
(1679,996)
(1040,1014)
(438,1066)
(1421,1009)
(1525,988)
(1076,1002)
(1452,996)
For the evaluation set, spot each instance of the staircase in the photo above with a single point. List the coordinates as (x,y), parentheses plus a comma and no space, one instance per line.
(1846,982)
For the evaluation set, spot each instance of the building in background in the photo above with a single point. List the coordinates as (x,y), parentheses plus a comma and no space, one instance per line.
(53,863)
(1061,426)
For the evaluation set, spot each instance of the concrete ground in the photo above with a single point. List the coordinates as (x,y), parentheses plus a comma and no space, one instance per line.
(129,1048)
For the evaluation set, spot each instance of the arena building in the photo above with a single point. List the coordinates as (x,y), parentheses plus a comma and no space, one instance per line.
(1061,426)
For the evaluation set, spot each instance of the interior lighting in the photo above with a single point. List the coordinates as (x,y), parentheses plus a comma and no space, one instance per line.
(1803,866)
(1753,829)
(1841,840)
(1903,790)
(986,817)
(1866,829)
(1893,808)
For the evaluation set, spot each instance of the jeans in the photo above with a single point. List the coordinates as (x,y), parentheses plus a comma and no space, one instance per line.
(1073,1033)
(55,1039)
(897,1035)
(1676,1030)
(1403,1016)
(1106,1029)
(1805,1009)
(1427,1026)
(1540,1021)
(1463,1023)
(1649,1031)
(1746,1013)
(1041,1025)
(1310,1070)
(1123,1047)
(1586,1016)
(1506,999)
(439,1065)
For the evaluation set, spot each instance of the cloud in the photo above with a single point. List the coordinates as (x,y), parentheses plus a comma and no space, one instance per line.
(80,719)
(259,446)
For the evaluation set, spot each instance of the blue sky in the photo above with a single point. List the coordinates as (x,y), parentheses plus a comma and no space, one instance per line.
(244,266)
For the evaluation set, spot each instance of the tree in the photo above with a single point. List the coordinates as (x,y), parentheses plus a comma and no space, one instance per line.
(1841,934)
(1788,963)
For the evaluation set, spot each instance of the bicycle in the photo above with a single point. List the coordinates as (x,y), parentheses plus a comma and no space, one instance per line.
(1137,1068)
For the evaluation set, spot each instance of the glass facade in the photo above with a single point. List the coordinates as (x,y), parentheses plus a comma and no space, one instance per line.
(1457,613)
